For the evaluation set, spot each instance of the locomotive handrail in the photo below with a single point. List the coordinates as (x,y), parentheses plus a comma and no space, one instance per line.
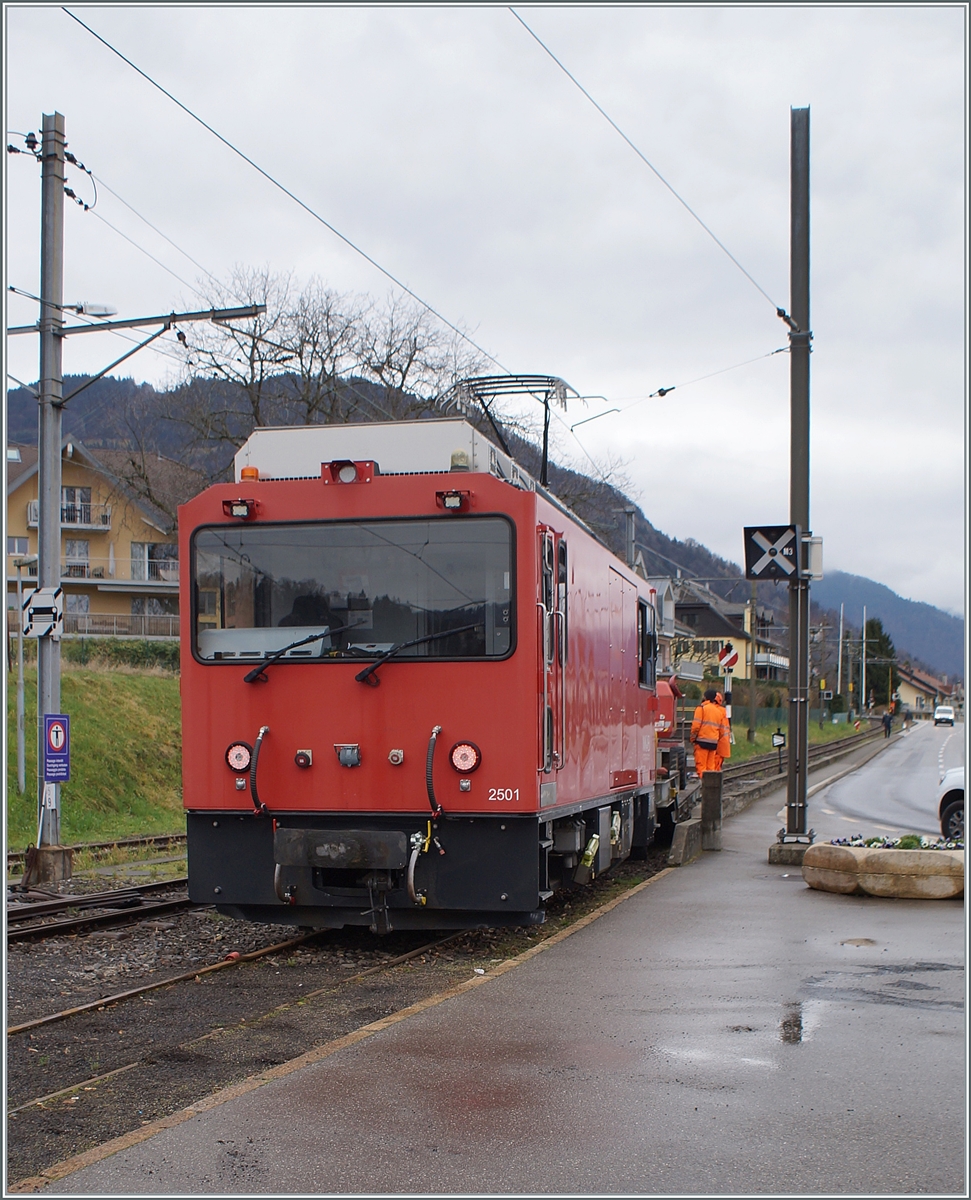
(561,754)
(547,739)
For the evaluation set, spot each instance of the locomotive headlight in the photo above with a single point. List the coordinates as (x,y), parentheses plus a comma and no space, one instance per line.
(244,510)
(239,755)
(465,757)
(347,473)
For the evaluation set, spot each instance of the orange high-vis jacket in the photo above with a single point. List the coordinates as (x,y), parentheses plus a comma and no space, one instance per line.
(710,726)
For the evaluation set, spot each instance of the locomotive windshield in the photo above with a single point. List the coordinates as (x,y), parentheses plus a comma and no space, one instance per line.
(365,587)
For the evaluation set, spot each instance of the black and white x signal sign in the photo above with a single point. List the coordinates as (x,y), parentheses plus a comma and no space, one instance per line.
(772,552)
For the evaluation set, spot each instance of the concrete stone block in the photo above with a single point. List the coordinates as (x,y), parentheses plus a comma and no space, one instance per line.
(686,846)
(901,874)
(48,864)
(787,854)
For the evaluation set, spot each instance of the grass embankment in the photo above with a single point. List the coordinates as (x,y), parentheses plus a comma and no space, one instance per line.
(126,758)
(744,749)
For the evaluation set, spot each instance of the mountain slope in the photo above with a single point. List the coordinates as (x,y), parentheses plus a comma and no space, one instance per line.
(111,412)
(916,628)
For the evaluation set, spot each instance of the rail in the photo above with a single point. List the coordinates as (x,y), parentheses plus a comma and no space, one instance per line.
(764,763)
(117,907)
(156,839)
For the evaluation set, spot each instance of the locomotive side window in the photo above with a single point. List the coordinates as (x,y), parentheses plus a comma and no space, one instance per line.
(646,645)
(364,587)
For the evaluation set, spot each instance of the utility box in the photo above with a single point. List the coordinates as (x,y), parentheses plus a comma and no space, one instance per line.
(405,447)
(813,557)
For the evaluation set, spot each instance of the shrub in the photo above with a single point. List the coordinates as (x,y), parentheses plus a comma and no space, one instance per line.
(117,652)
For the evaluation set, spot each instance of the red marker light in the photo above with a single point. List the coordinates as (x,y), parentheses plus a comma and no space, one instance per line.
(239,756)
(465,757)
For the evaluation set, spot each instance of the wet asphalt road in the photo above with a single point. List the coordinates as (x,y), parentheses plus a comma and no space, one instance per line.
(897,793)
(727,1030)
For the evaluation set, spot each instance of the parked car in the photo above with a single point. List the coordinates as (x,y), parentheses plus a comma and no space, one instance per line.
(950,805)
(944,715)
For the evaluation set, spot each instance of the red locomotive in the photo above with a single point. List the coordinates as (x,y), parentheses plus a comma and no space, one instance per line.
(417,692)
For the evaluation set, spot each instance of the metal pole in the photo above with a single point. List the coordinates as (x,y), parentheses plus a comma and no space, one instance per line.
(49,440)
(21,764)
(799,347)
(753,625)
(839,658)
(863,703)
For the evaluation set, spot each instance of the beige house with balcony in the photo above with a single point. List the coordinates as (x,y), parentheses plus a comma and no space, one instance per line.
(119,550)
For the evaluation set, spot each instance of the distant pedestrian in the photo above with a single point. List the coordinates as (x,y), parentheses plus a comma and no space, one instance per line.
(710,734)
(887,722)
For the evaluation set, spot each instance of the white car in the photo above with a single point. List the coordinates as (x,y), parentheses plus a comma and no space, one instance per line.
(944,715)
(950,805)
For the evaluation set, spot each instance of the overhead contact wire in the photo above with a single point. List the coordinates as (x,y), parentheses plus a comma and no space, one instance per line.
(292,195)
(780,312)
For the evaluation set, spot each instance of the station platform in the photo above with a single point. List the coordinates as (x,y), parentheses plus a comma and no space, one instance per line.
(725,1030)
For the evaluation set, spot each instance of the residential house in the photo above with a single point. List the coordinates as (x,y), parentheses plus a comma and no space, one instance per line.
(710,622)
(920,693)
(119,550)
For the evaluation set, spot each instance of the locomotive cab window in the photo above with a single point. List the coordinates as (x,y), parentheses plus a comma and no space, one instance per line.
(646,645)
(364,587)
(561,599)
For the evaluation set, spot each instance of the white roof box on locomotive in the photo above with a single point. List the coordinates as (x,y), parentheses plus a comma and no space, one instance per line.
(398,447)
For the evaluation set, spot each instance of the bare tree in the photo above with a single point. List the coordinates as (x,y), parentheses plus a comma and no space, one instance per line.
(315,356)
(322,330)
(234,375)
(405,349)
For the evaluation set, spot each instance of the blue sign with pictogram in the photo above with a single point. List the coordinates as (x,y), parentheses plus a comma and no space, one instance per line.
(57,748)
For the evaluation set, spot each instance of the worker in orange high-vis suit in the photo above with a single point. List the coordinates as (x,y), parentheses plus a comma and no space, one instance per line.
(710,734)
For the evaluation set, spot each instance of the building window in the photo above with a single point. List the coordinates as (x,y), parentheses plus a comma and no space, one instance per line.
(77,553)
(17,545)
(154,561)
(154,606)
(76,505)
(77,602)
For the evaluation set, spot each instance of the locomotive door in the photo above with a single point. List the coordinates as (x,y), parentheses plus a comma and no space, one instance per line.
(551,611)
(622,600)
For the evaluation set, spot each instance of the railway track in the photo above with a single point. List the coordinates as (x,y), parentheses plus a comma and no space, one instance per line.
(15,857)
(30,921)
(767,763)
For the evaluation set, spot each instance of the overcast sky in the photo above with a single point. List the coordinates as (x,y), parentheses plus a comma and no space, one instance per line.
(452,149)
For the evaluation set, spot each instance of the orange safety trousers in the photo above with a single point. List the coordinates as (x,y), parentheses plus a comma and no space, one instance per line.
(707,760)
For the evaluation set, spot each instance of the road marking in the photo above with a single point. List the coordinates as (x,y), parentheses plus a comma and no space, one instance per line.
(126,1141)
(940,754)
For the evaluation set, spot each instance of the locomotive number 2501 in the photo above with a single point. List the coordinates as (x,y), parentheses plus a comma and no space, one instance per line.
(510,794)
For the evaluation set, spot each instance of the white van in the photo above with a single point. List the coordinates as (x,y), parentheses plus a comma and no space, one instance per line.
(944,715)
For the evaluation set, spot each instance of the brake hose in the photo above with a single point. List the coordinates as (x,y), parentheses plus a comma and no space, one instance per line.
(261,808)
(429,763)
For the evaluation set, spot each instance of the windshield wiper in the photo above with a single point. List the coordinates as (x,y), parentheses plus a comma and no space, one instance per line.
(252,676)
(367,675)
